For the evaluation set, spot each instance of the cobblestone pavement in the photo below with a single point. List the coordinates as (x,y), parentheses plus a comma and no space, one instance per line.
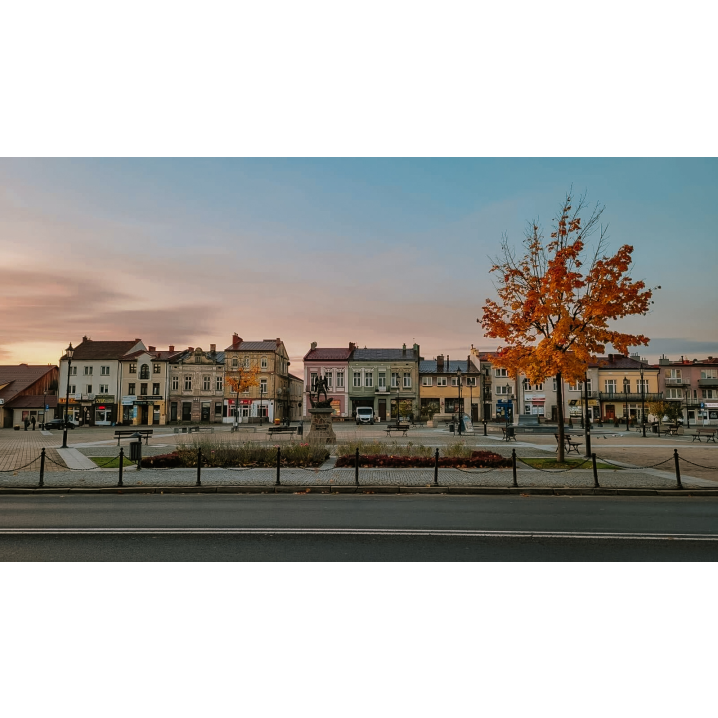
(621,447)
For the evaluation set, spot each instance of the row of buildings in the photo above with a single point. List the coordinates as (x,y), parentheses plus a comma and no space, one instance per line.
(129,383)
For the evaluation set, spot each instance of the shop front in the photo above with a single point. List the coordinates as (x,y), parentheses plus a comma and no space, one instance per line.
(105,410)
(505,410)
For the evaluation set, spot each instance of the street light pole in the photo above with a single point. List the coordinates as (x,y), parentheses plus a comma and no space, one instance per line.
(587,420)
(508,403)
(643,401)
(68,353)
(625,397)
(459,411)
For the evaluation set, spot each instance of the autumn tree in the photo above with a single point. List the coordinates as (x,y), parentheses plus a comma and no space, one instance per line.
(671,409)
(240,380)
(557,298)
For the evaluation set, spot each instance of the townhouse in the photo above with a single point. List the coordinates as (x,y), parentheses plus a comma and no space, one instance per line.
(93,380)
(694,383)
(270,399)
(332,364)
(448,387)
(195,386)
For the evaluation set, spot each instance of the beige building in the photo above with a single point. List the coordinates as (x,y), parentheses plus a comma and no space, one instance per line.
(196,387)
(271,399)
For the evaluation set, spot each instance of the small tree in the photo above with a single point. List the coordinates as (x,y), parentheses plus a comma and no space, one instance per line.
(557,299)
(242,379)
(671,409)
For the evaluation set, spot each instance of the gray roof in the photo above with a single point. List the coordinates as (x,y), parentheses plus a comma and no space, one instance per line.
(384,355)
(450,367)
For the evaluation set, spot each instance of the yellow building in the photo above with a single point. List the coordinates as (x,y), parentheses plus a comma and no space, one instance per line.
(448,386)
(625,386)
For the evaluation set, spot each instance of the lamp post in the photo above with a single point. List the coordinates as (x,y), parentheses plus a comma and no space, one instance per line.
(68,353)
(625,397)
(261,402)
(587,420)
(643,402)
(688,418)
(508,404)
(459,410)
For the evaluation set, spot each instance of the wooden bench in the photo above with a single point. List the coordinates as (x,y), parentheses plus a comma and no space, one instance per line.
(126,433)
(397,427)
(710,435)
(509,433)
(569,443)
(670,430)
(283,429)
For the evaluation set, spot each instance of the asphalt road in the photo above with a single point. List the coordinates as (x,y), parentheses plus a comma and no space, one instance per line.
(356,528)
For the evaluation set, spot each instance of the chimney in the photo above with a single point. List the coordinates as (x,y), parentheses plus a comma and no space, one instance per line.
(440,363)
(352,346)
(468,363)
(313,346)
(190,349)
(84,339)
(681,359)
(137,341)
(213,348)
(172,347)
(236,339)
(152,349)
(279,341)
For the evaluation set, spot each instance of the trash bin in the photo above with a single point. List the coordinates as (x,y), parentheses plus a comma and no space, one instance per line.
(654,428)
(136,450)
(300,430)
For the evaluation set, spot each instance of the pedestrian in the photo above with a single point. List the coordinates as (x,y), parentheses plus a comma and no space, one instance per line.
(27,423)
(32,421)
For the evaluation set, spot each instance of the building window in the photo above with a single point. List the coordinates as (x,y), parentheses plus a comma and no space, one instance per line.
(188,383)
(156,368)
(89,388)
(538,387)
(340,380)
(245,362)
(640,382)
(382,380)
(440,381)
(217,408)
(313,381)
(131,389)
(262,386)
(502,390)
(206,383)
(105,370)
(264,363)
(454,381)
(470,381)
(674,394)
(235,362)
(555,387)
(133,368)
(73,371)
(709,373)
(626,385)
(104,388)
(707,393)
(175,383)
(369,378)
(329,376)
(395,380)
(143,389)
(610,386)
(219,383)
(426,381)
(145,371)
(155,389)
(501,372)
(88,371)
(357,378)
(73,389)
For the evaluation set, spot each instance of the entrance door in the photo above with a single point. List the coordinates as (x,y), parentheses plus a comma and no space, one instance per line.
(475,413)
(610,411)
(205,411)
(186,411)
(144,414)
(382,409)
(173,411)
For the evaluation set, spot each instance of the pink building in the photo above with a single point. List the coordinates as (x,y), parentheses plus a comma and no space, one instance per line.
(693,383)
(333,364)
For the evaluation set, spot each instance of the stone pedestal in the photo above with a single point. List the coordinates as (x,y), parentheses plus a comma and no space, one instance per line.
(528,420)
(321,429)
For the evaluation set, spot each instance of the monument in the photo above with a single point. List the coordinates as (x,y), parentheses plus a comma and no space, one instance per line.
(321,429)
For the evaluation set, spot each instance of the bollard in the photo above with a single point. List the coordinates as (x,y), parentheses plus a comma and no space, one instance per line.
(356,468)
(678,469)
(595,472)
(42,467)
(279,453)
(513,466)
(122,463)
(436,468)
(485,434)
(199,467)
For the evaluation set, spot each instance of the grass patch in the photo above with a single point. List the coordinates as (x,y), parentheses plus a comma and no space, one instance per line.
(541,463)
(104,462)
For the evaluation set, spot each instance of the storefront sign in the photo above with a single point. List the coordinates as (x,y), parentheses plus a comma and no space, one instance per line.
(150,397)
(61,400)
(104,398)
(711,405)
(129,400)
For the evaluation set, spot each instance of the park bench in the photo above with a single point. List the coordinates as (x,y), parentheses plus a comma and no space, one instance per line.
(509,433)
(283,429)
(569,443)
(127,433)
(710,435)
(397,427)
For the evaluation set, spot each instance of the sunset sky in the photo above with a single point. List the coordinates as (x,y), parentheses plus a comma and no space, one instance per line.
(374,251)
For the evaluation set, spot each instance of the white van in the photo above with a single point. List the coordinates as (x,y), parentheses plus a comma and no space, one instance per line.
(365,415)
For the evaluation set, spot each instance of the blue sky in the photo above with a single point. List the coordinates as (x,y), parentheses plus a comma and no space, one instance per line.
(375,251)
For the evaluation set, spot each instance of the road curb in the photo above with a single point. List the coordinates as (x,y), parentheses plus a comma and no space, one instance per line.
(351,489)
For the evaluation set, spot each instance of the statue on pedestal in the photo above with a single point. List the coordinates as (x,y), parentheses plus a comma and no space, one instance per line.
(321,429)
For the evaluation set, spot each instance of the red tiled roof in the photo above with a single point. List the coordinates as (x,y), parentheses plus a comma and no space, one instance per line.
(32,401)
(328,354)
(19,377)
(88,350)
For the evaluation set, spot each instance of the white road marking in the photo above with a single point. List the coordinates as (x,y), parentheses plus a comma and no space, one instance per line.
(456,533)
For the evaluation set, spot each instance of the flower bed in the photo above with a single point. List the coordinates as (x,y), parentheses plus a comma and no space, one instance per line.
(477,460)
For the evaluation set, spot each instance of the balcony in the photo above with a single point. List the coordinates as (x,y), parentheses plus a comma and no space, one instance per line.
(382,390)
(676,381)
(708,382)
(631,396)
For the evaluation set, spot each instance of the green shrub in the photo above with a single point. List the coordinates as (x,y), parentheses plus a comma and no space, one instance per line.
(229,454)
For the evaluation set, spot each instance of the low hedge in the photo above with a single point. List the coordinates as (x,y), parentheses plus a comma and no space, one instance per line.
(185,460)
(477,460)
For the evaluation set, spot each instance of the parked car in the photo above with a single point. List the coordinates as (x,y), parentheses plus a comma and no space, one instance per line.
(59,424)
(365,415)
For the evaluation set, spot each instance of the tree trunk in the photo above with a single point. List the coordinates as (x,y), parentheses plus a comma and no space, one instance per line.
(559,407)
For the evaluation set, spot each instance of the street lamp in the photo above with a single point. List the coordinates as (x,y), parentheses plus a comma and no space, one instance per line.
(643,402)
(459,411)
(587,420)
(687,394)
(68,353)
(508,405)
(484,377)
(626,384)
